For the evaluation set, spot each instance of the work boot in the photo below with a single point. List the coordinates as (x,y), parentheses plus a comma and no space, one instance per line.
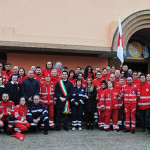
(126,130)
(45,132)
(132,131)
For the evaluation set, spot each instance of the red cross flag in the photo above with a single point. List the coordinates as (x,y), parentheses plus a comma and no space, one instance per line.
(120,43)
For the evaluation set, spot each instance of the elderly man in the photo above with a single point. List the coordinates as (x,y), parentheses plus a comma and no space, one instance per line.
(30,87)
(37,115)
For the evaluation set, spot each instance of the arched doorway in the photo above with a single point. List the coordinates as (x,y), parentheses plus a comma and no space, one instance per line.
(136,31)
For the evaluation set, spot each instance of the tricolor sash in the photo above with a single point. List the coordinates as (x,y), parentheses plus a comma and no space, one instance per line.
(63,88)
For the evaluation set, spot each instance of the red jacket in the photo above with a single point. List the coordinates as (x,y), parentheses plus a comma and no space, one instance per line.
(6,108)
(73,81)
(144,100)
(47,93)
(106,78)
(97,83)
(20,79)
(100,100)
(111,99)
(136,81)
(5,78)
(119,87)
(130,94)
(46,72)
(40,78)
(20,113)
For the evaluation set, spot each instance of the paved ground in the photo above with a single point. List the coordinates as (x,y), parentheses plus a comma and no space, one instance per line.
(78,140)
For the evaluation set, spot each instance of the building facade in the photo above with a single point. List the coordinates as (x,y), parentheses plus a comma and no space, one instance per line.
(77,33)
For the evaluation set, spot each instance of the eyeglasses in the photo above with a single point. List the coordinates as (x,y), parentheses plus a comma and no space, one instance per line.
(99,74)
(112,77)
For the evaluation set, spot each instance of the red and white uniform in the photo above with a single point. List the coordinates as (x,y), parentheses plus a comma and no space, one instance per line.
(73,81)
(6,109)
(20,79)
(130,94)
(97,83)
(144,100)
(119,87)
(136,81)
(40,78)
(100,107)
(47,98)
(5,78)
(20,113)
(106,78)
(59,73)
(46,72)
(111,99)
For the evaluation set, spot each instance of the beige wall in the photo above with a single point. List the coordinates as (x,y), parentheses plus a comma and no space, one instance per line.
(75,22)
(27,60)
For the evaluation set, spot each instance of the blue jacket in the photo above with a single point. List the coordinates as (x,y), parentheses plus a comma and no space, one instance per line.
(37,111)
(29,88)
(78,95)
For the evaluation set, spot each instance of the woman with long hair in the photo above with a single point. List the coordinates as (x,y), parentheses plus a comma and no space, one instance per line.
(88,72)
(71,77)
(90,103)
(21,75)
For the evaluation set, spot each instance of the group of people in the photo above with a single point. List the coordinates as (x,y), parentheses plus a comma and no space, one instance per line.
(37,100)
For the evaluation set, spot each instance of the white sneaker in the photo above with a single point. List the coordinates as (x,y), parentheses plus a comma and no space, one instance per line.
(73,128)
(80,129)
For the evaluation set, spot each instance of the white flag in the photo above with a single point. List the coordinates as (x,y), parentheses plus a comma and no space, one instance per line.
(120,43)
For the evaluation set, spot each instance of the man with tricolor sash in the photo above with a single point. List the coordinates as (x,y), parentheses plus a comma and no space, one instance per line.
(63,92)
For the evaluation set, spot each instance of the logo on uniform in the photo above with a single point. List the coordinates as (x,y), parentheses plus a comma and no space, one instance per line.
(82,90)
(147,90)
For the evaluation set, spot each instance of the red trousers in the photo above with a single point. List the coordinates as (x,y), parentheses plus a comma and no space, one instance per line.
(21,127)
(130,116)
(114,114)
(10,123)
(50,109)
(101,118)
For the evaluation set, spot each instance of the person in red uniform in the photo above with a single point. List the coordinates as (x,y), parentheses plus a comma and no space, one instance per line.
(105,76)
(6,113)
(71,77)
(117,76)
(144,103)
(20,112)
(38,75)
(119,85)
(47,98)
(47,69)
(135,78)
(148,78)
(7,73)
(110,97)
(88,72)
(112,71)
(98,80)
(100,105)
(58,68)
(80,76)
(21,75)
(130,95)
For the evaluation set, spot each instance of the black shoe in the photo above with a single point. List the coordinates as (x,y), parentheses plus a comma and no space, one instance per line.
(45,132)
(107,130)
(142,130)
(132,131)
(87,126)
(116,130)
(57,129)
(100,128)
(146,131)
(66,129)
(92,127)
(9,132)
(126,130)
